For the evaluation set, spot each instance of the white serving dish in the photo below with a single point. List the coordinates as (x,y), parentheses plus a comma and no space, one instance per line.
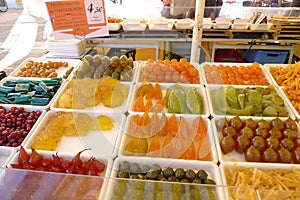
(164,86)
(131,130)
(133,25)
(139,75)
(202,71)
(84,157)
(209,88)
(184,23)
(45,107)
(211,169)
(257,194)
(100,108)
(267,69)
(5,155)
(207,25)
(102,143)
(60,71)
(288,101)
(233,156)
(160,24)
(221,25)
(240,26)
(261,27)
(114,26)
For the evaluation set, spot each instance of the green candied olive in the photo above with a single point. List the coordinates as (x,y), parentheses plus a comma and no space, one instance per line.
(122,174)
(126,75)
(185,180)
(179,173)
(107,72)
(156,168)
(115,75)
(130,62)
(124,166)
(209,182)
(168,172)
(134,176)
(134,168)
(152,175)
(202,174)
(105,60)
(190,174)
(197,180)
(172,179)
(145,169)
(118,69)
(161,178)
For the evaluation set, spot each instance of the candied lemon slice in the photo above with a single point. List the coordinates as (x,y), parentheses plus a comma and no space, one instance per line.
(105,122)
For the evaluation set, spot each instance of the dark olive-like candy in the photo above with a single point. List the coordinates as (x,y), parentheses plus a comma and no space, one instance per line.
(202,174)
(167,172)
(124,166)
(123,174)
(179,173)
(190,174)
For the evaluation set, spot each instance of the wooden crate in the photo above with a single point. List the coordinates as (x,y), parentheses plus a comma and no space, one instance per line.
(286,27)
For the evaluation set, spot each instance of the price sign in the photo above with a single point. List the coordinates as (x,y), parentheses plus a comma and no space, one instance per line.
(77,18)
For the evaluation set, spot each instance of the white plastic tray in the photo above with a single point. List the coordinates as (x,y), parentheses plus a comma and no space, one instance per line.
(45,107)
(114,26)
(202,71)
(5,155)
(184,24)
(84,157)
(133,26)
(102,143)
(164,86)
(211,169)
(100,108)
(160,24)
(240,26)
(60,71)
(233,156)
(209,88)
(139,132)
(240,191)
(143,64)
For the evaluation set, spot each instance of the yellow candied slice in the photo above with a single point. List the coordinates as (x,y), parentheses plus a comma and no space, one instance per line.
(105,122)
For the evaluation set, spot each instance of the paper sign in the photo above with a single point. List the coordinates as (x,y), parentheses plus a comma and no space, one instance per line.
(77,18)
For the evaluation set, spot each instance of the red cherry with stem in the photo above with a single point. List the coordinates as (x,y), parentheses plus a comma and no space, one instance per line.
(98,166)
(76,159)
(56,160)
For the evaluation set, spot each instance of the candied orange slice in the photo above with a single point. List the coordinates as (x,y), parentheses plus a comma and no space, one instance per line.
(154,144)
(173,125)
(139,105)
(204,149)
(150,92)
(164,130)
(157,91)
(199,127)
(190,153)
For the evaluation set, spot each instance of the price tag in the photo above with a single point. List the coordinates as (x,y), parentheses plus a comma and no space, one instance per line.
(77,18)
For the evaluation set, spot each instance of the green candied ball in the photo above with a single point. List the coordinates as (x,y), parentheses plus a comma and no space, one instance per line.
(115,75)
(161,178)
(185,180)
(152,175)
(157,168)
(168,172)
(190,174)
(122,174)
(172,179)
(123,61)
(114,61)
(179,173)
(134,176)
(202,174)
(134,168)
(145,169)
(197,180)
(210,182)
(124,166)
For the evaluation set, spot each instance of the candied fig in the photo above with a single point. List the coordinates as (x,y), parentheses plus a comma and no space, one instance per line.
(247,131)
(273,142)
(287,143)
(264,124)
(289,133)
(278,123)
(284,155)
(237,123)
(227,144)
(252,154)
(276,133)
(296,155)
(290,124)
(229,130)
(251,123)
(262,132)
(259,142)
(242,143)
(270,155)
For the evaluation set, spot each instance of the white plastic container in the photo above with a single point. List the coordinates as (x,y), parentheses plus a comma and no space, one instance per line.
(133,25)
(160,24)
(209,88)
(179,142)
(164,86)
(68,156)
(204,77)
(248,190)
(114,26)
(211,169)
(184,23)
(233,156)
(261,27)
(100,108)
(60,71)
(103,143)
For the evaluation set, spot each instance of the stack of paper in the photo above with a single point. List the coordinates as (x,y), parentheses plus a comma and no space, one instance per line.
(72,48)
